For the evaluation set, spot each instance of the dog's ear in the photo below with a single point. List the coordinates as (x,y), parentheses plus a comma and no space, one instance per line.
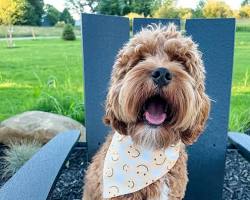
(111,117)
(110,120)
(186,51)
(190,135)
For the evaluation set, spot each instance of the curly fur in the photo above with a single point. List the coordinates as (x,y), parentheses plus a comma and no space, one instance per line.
(131,85)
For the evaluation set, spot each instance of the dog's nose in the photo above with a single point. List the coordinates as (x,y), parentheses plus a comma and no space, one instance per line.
(161,76)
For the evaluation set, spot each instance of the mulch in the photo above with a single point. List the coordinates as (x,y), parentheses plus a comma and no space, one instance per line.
(69,185)
(237,177)
(70,180)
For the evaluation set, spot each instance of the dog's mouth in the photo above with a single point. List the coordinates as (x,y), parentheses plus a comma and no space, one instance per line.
(155,111)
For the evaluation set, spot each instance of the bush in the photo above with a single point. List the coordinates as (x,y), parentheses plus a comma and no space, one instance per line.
(68,33)
(17,154)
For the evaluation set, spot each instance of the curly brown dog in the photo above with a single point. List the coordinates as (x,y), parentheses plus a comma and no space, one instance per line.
(157,97)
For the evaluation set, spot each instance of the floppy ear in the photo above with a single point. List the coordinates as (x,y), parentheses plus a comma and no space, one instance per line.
(186,51)
(192,133)
(111,120)
(111,116)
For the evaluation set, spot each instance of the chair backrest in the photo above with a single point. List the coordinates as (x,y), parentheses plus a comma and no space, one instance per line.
(104,35)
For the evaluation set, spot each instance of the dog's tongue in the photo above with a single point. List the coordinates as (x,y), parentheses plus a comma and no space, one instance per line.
(154,113)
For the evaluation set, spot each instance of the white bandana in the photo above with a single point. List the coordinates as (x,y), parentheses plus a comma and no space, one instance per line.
(129,168)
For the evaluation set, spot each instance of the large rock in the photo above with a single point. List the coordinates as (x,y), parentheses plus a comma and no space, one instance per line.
(41,126)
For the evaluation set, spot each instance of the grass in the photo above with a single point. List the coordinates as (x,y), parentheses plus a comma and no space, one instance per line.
(26,31)
(43,75)
(240,100)
(47,75)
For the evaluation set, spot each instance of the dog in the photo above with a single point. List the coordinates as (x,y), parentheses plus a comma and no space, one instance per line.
(156,100)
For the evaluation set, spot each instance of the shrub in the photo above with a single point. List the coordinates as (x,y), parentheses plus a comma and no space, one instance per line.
(68,32)
(17,154)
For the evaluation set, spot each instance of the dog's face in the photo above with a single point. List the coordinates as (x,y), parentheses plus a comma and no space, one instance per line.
(157,92)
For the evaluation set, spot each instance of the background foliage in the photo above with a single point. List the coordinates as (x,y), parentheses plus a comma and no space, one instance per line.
(11,11)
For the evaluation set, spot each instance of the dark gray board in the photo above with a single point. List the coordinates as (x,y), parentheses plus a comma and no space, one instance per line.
(103,36)
(207,157)
(36,178)
(139,23)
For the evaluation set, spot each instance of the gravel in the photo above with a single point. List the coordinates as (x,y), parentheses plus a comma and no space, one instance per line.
(237,177)
(70,180)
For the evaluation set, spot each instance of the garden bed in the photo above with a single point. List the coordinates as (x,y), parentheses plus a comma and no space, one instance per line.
(70,180)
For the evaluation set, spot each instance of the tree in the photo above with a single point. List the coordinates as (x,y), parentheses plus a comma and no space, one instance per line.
(123,7)
(245,2)
(66,17)
(185,13)
(244,11)
(143,7)
(36,12)
(10,12)
(216,9)
(32,13)
(167,10)
(198,12)
(111,7)
(52,14)
(79,6)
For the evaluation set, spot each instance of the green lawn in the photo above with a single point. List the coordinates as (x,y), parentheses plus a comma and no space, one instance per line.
(47,75)
(240,100)
(41,74)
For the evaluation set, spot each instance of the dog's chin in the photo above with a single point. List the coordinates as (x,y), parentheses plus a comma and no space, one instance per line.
(153,128)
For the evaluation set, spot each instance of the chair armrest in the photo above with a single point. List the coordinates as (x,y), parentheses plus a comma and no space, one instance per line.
(242,142)
(36,178)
